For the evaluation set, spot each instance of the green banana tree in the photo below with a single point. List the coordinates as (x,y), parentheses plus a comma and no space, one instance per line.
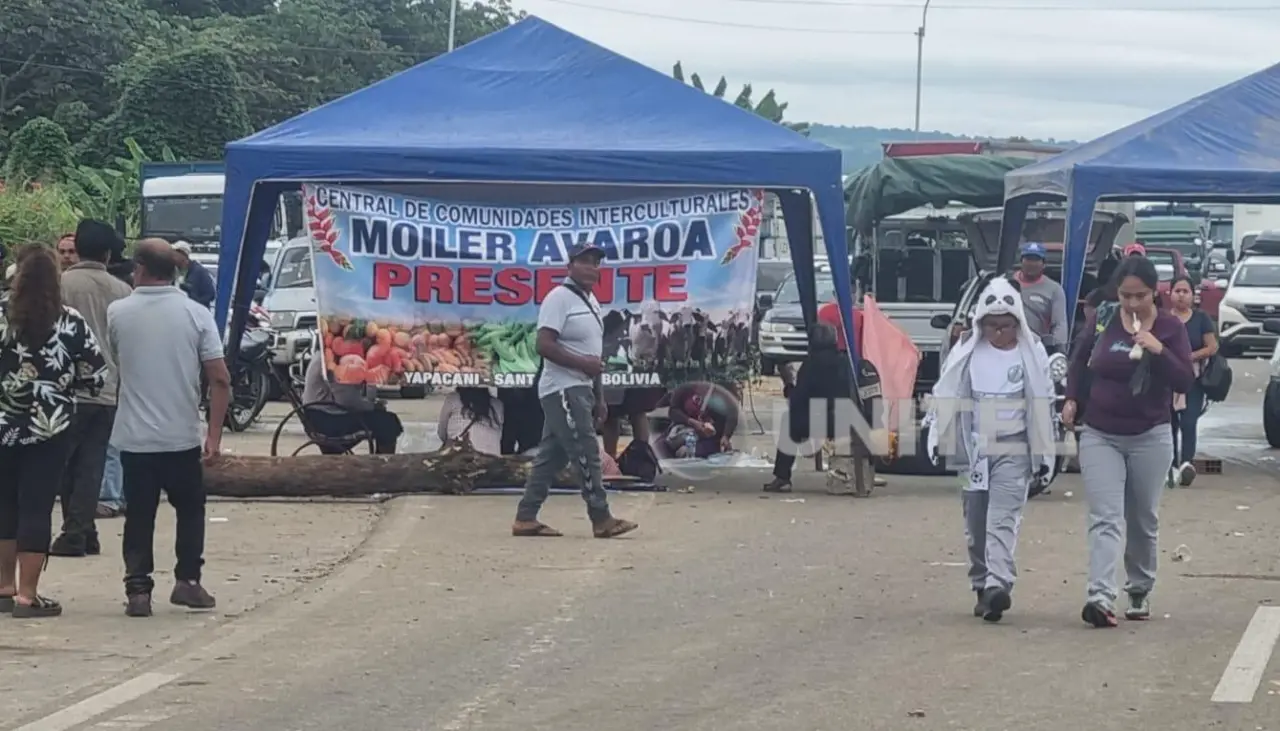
(768,107)
(115,191)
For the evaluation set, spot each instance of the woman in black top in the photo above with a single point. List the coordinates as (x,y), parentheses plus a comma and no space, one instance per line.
(1203,335)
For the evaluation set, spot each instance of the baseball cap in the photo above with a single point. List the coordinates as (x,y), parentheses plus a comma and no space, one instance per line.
(1135,249)
(182,246)
(1032,249)
(584,247)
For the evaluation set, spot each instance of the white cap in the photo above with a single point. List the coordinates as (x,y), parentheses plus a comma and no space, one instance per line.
(182,246)
(12,270)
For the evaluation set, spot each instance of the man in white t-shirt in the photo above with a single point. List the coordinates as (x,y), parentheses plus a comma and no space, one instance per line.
(992,409)
(570,340)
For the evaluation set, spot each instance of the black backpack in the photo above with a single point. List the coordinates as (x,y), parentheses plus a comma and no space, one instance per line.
(638,460)
(1215,379)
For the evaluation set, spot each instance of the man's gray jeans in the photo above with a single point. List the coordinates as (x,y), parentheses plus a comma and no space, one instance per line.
(568,437)
(1124,477)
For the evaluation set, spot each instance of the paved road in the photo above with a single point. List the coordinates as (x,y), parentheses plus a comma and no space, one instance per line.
(731,611)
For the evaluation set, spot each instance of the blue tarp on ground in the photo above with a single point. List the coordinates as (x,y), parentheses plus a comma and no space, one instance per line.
(530,104)
(1221,146)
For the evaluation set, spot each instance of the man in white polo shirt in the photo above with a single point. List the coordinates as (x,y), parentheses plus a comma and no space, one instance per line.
(570,341)
(163,343)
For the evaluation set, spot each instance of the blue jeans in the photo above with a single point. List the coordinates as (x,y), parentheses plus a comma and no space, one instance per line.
(1185,424)
(112,494)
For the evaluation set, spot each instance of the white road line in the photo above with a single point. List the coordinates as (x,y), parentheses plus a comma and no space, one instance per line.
(1249,662)
(400,523)
(96,705)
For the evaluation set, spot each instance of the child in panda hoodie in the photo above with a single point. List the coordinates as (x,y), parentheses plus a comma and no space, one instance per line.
(991,416)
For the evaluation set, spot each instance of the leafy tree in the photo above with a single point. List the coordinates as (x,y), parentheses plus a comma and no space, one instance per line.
(768,106)
(114,190)
(190,101)
(60,50)
(302,54)
(209,8)
(421,27)
(35,215)
(39,152)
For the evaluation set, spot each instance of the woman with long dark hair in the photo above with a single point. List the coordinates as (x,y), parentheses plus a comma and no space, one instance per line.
(1130,359)
(476,412)
(1187,407)
(47,354)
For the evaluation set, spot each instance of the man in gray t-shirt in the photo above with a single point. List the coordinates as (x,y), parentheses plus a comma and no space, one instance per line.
(1042,298)
(570,341)
(163,343)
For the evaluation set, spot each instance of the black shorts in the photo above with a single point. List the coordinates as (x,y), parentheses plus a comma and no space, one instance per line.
(637,401)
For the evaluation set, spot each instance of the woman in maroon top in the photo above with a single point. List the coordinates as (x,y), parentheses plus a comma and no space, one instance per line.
(1130,359)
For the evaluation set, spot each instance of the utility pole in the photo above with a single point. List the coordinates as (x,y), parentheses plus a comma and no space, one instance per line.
(453,32)
(924,19)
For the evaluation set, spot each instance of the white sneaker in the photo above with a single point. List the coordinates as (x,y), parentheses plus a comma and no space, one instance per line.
(1186,474)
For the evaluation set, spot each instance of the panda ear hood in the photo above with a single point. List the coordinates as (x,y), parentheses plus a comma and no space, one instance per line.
(1000,298)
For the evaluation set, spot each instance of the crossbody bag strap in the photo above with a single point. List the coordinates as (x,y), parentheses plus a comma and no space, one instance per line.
(585,300)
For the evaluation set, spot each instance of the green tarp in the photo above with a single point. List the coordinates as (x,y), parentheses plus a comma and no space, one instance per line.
(897,185)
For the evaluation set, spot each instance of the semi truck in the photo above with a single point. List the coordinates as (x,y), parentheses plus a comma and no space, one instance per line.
(183,201)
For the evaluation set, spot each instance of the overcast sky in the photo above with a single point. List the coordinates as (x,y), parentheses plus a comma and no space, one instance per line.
(1069,69)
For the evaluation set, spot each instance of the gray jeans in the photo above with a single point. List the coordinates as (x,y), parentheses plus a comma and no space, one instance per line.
(1124,477)
(568,437)
(992,518)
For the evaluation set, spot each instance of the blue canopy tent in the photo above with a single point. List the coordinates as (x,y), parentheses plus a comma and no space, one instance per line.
(1219,147)
(529,110)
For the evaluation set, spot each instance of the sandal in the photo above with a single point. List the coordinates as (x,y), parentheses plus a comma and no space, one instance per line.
(614,527)
(777,485)
(6,604)
(535,530)
(40,608)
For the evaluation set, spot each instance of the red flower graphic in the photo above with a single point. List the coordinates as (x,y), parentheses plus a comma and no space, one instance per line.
(747,230)
(324,232)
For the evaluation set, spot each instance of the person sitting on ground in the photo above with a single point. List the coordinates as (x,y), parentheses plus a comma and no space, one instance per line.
(339,409)
(825,376)
(703,417)
(475,412)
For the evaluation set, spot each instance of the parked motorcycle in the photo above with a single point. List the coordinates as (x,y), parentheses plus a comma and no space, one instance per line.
(251,372)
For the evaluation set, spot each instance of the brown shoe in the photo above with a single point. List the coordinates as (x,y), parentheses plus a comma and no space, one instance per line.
(534,529)
(613,527)
(139,606)
(191,595)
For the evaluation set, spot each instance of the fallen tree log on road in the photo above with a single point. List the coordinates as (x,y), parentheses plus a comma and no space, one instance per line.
(454,470)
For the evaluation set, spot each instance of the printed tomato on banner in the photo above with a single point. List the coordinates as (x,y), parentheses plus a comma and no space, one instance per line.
(430,291)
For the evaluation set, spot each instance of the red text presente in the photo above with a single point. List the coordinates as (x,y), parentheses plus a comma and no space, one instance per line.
(515,286)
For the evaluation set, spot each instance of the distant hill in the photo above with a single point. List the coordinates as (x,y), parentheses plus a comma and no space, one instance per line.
(861,145)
